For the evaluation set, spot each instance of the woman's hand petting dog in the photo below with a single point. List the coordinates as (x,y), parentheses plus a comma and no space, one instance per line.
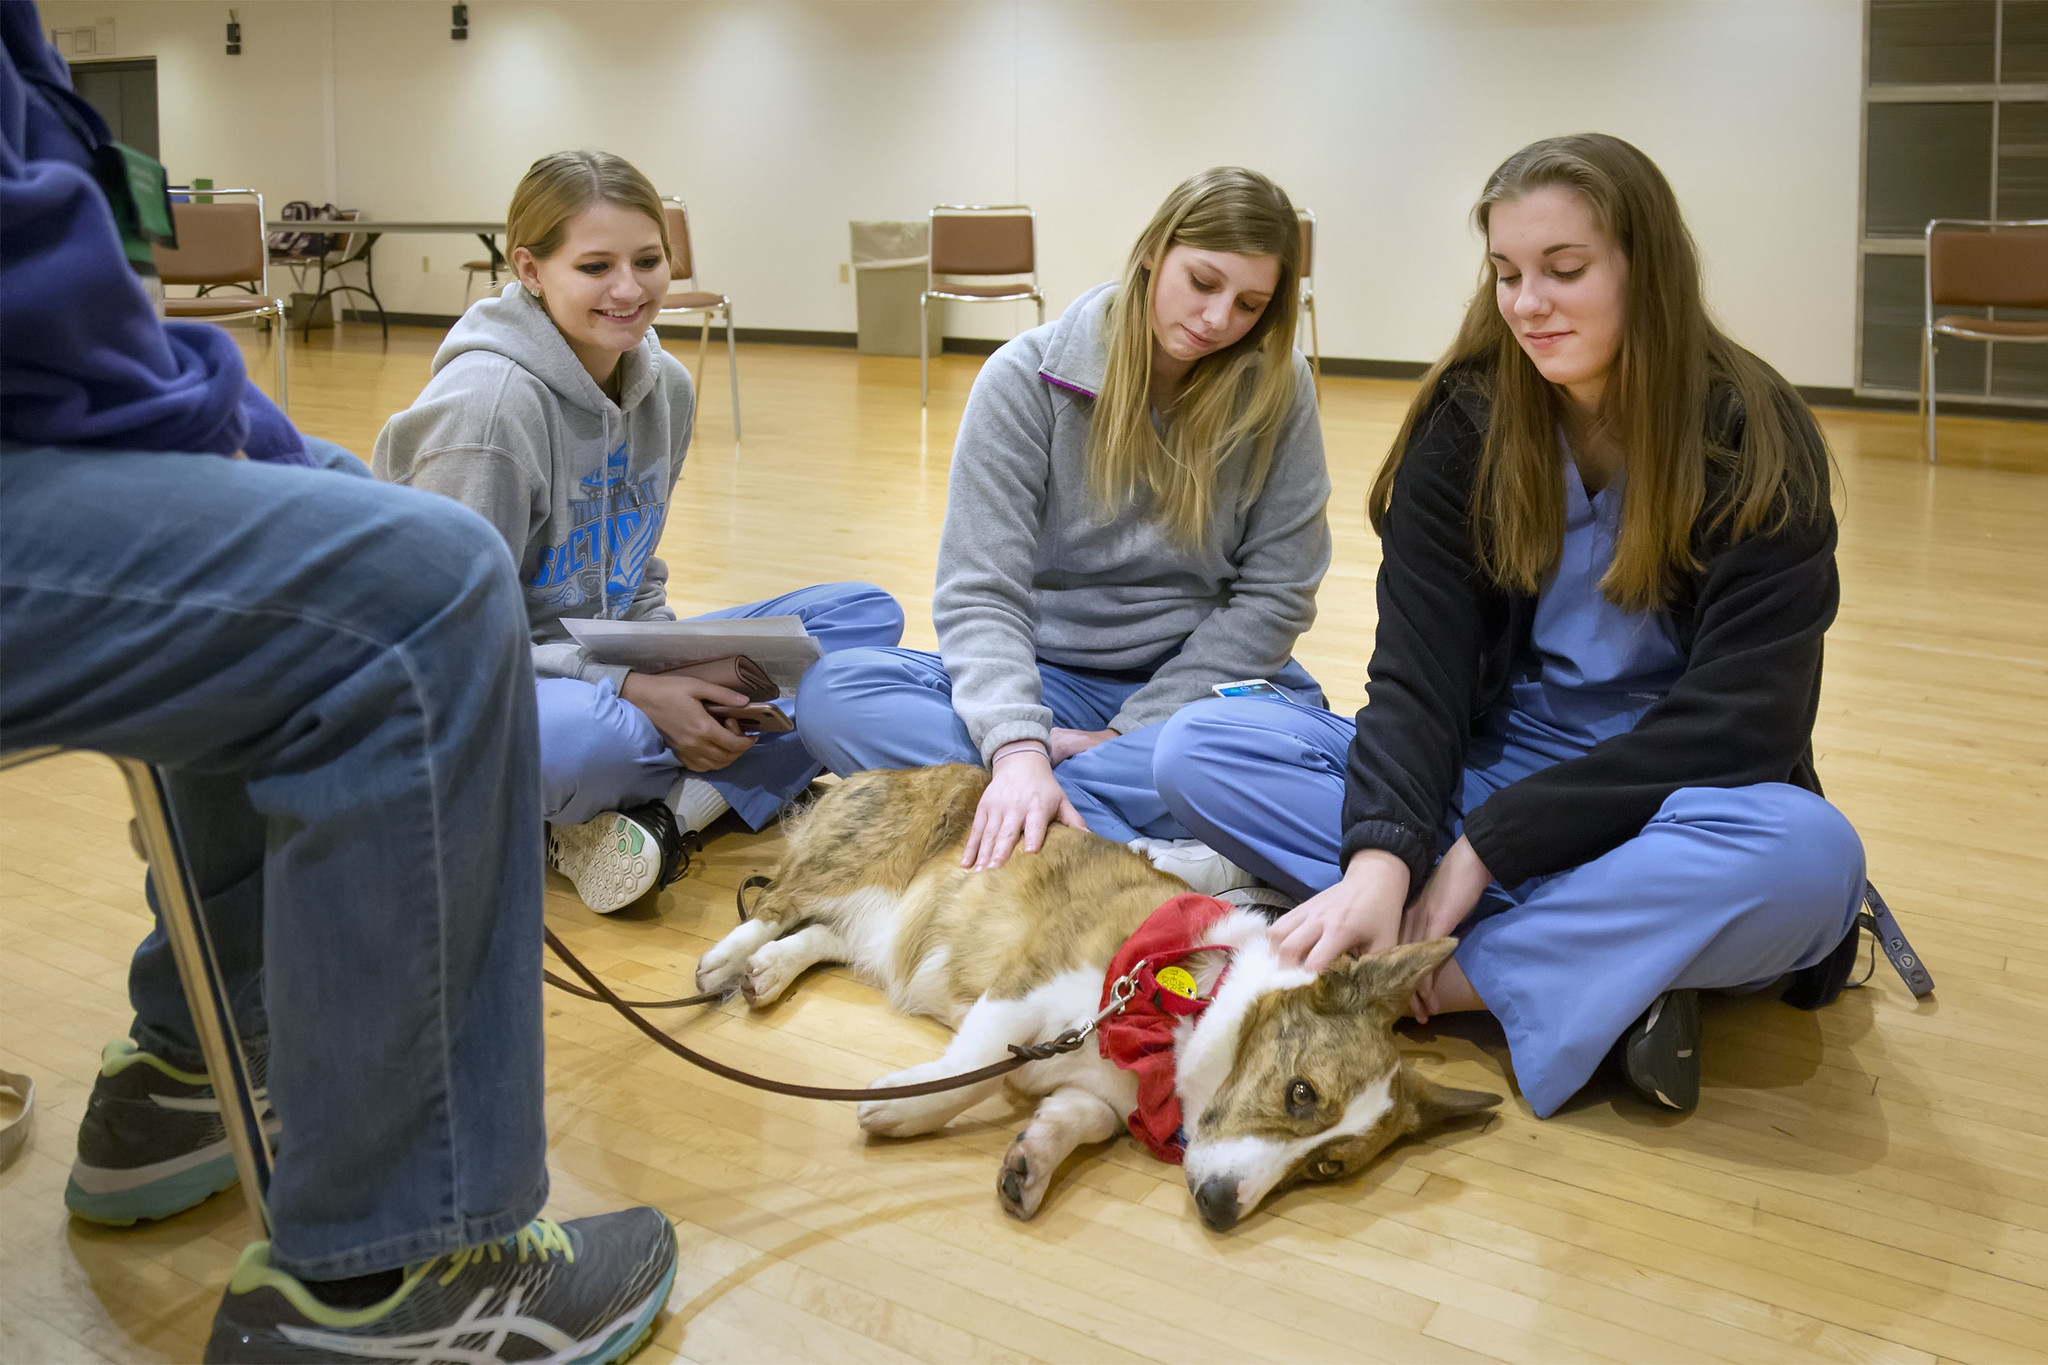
(1449,895)
(1361,914)
(675,703)
(1022,800)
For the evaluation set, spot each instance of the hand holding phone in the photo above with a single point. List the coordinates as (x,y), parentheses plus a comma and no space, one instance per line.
(755,718)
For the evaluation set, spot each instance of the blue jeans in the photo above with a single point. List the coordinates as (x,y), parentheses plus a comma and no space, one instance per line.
(335,672)
(893,708)
(599,753)
(1726,888)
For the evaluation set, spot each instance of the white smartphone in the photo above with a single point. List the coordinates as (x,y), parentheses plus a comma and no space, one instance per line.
(1250,687)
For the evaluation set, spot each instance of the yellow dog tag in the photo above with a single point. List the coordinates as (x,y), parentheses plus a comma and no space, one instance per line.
(1178,980)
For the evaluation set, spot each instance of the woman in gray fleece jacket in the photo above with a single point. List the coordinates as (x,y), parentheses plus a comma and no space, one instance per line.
(1135,516)
(554,412)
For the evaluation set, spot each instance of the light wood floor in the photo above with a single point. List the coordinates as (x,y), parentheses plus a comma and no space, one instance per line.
(1868,1183)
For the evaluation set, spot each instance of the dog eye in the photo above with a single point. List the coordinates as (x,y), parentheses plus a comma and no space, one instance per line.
(1326,1169)
(1301,1097)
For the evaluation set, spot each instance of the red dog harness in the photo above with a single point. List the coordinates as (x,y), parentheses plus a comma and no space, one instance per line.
(1140,1038)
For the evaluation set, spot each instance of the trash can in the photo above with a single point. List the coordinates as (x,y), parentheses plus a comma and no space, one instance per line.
(889,273)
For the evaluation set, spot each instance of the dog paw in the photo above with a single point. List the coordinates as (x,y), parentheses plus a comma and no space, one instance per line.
(898,1118)
(768,975)
(722,968)
(1021,1182)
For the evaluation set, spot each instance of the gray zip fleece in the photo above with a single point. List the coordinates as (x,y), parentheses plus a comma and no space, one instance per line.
(1032,567)
(512,426)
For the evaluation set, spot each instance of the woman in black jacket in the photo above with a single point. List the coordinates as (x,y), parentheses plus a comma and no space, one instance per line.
(1607,564)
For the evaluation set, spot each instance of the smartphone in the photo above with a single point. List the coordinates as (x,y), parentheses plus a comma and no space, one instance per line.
(1250,687)
(756,718)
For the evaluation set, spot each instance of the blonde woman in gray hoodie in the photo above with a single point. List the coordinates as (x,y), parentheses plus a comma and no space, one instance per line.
(554,412)
(1135,517)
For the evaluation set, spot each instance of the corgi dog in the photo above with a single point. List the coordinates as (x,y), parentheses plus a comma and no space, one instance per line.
(1280,1075)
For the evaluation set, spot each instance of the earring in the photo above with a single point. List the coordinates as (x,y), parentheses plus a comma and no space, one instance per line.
(533,291)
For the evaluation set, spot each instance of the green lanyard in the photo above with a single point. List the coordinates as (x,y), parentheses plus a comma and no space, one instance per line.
(136,188)
(139,193)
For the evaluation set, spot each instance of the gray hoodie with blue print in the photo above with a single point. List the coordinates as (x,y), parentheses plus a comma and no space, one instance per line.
(512,426)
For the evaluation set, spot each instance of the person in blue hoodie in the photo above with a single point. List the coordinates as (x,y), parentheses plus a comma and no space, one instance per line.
(332,674)
(554,413)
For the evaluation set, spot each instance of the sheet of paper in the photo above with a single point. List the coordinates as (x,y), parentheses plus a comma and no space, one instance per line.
(778,643)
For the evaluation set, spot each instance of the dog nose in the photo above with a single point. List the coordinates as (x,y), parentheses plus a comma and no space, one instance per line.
(1216,1201)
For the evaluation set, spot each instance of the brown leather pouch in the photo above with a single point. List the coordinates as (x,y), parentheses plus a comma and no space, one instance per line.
(735,672)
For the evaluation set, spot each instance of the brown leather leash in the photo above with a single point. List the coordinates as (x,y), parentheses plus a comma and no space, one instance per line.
(1020,1054)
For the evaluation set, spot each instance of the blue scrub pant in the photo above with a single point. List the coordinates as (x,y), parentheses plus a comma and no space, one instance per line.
(599,753)
(893,708)
(1726,888)
(334,672)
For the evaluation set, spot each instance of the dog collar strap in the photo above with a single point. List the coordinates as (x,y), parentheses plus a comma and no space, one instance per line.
(1157,995)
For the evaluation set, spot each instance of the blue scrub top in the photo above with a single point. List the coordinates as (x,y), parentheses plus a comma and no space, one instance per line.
(1593,668)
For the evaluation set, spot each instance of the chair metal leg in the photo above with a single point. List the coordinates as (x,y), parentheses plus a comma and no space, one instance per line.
(703,348)
(1040,301)
(924,350)
(732,370)
(278,339)
(1927,397)
(199,970)
(1315,350)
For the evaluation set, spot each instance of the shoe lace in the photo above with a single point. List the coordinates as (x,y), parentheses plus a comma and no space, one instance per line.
(677,845)
(540,1239)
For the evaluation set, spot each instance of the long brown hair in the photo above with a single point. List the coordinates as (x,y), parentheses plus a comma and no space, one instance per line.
(1674,362)
(561,185)
(1242,391)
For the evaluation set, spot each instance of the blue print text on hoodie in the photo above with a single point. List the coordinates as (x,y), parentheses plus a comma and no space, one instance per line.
(512,426)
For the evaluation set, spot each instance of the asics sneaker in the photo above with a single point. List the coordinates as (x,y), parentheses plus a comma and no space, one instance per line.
(620,856)
(584,1292)
(152,1142)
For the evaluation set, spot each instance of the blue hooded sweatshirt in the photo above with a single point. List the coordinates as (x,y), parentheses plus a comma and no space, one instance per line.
(84,359)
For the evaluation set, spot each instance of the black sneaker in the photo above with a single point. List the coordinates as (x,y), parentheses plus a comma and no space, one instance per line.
(1661,1053)
(579,1293)
(152,1142)
(620,856)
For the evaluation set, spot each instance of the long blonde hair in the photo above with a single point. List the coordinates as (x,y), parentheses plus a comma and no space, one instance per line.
(1240,392)
(1674,362)
(561,185)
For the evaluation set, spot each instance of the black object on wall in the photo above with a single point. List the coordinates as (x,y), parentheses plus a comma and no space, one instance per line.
(125,94)
(458,21)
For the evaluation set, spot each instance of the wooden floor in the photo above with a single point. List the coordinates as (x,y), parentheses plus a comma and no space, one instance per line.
(1868,1183)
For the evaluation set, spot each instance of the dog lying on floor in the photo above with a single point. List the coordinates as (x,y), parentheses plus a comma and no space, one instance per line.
(1281,1075)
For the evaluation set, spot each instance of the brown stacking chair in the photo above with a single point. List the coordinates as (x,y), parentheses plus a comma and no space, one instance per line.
(1308,293)
(685,297)
(221,245)
(472,269)
(976,240)
(155,837)
(1981,263)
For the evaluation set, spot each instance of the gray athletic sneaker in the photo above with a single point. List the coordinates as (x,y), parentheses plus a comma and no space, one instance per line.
(152,1142)
(620,856)
(584,1292)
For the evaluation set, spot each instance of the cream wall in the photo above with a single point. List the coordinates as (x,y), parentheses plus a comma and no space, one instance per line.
(781,121)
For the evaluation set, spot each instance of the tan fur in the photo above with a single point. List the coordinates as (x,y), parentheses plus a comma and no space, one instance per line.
(871,876)
(1007,929)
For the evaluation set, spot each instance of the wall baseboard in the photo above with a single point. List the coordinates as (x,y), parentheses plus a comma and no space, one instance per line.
(1348,367)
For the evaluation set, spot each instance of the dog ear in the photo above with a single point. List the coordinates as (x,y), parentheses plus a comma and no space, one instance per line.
(1431,1105)
(1385,980)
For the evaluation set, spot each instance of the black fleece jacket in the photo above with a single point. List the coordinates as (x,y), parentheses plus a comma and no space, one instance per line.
(1749,621)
